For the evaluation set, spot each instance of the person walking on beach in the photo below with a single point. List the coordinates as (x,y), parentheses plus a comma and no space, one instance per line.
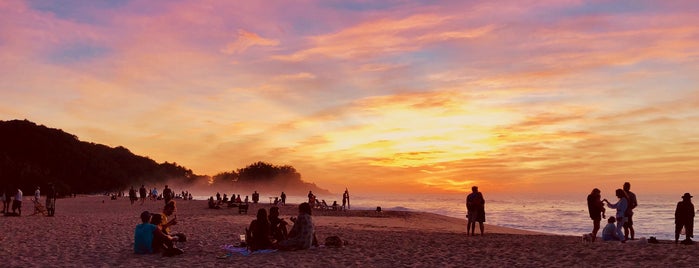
(620,207)
(283,196)
(628,223)
(684,217)
(142,193)
(17,203)
(51,200)
(475,206)
(132,195)
(6,200)
(595,207)
(168,194)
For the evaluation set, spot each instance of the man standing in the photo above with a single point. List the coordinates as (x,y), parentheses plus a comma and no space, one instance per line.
(51,200)
(628,225)
(475,205)
(17,203)
(167,194)
(142,192)
(684,217)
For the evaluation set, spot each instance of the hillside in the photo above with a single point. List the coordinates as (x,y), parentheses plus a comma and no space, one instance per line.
(34,155)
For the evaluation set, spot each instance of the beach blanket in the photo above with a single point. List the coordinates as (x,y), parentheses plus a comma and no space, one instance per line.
(244,251)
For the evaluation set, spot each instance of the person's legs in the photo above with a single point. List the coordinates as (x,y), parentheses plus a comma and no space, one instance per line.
(620,227)
(628,228)
(469,223)
(678,230)
(480,223)
(595,229)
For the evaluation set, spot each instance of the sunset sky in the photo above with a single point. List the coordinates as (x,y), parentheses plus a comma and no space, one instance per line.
(377,96)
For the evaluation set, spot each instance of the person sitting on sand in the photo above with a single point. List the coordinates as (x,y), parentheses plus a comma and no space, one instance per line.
(595,207)
(684,217)
(609,233)
(163,242)
(277,225)
(212,203)
(302,235)
(168,210)
(620,207)
(143,235)
(258,234)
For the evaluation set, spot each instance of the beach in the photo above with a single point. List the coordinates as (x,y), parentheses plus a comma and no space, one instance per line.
(94,231)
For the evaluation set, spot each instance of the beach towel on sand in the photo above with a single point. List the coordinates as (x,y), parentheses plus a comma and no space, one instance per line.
(245,251)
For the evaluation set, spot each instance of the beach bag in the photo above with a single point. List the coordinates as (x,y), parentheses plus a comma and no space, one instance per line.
(169,252)
(334,242)
(181,237)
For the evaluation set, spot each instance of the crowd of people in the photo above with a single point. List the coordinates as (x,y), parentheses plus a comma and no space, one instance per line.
(620,226)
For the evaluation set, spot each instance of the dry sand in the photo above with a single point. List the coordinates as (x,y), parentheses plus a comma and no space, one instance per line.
(93,231)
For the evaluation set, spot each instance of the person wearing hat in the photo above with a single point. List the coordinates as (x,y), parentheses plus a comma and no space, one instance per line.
(684,217)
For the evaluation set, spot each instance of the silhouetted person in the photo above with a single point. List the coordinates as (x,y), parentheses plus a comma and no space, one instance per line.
(475,205)
(259,232)
(168,194)
(37,194)
(596,208)
(7,200)
(684,217)
(620,207)
(51,200)
(255,197)
(277,225)
(345,199)
(17,203)
(143,193)
(132,195)
(283,196)
(628,223)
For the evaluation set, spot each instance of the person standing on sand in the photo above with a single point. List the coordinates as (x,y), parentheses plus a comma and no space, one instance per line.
(142,193)
(596,208)
(345,196)
(620,207)
(37,194)
(283,196)
(51,200)
(475,206)
(684,217)
(132,195)
(17,203)
(628,224)
(168,194)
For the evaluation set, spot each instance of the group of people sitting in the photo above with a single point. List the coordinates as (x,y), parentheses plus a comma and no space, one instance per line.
(153,235)
(270,231)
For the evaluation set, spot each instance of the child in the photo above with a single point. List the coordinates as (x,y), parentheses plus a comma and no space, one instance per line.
(609,232)
(143,235)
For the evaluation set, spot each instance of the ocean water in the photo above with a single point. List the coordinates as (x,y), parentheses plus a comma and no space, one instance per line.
(566,215)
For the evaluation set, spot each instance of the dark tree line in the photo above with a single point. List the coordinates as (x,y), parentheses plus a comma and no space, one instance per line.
(263,176)
(33,155)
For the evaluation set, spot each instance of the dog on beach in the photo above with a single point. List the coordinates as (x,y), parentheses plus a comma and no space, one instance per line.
(587,238)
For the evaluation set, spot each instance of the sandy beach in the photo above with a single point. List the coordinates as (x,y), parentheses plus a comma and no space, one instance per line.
(94,231)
